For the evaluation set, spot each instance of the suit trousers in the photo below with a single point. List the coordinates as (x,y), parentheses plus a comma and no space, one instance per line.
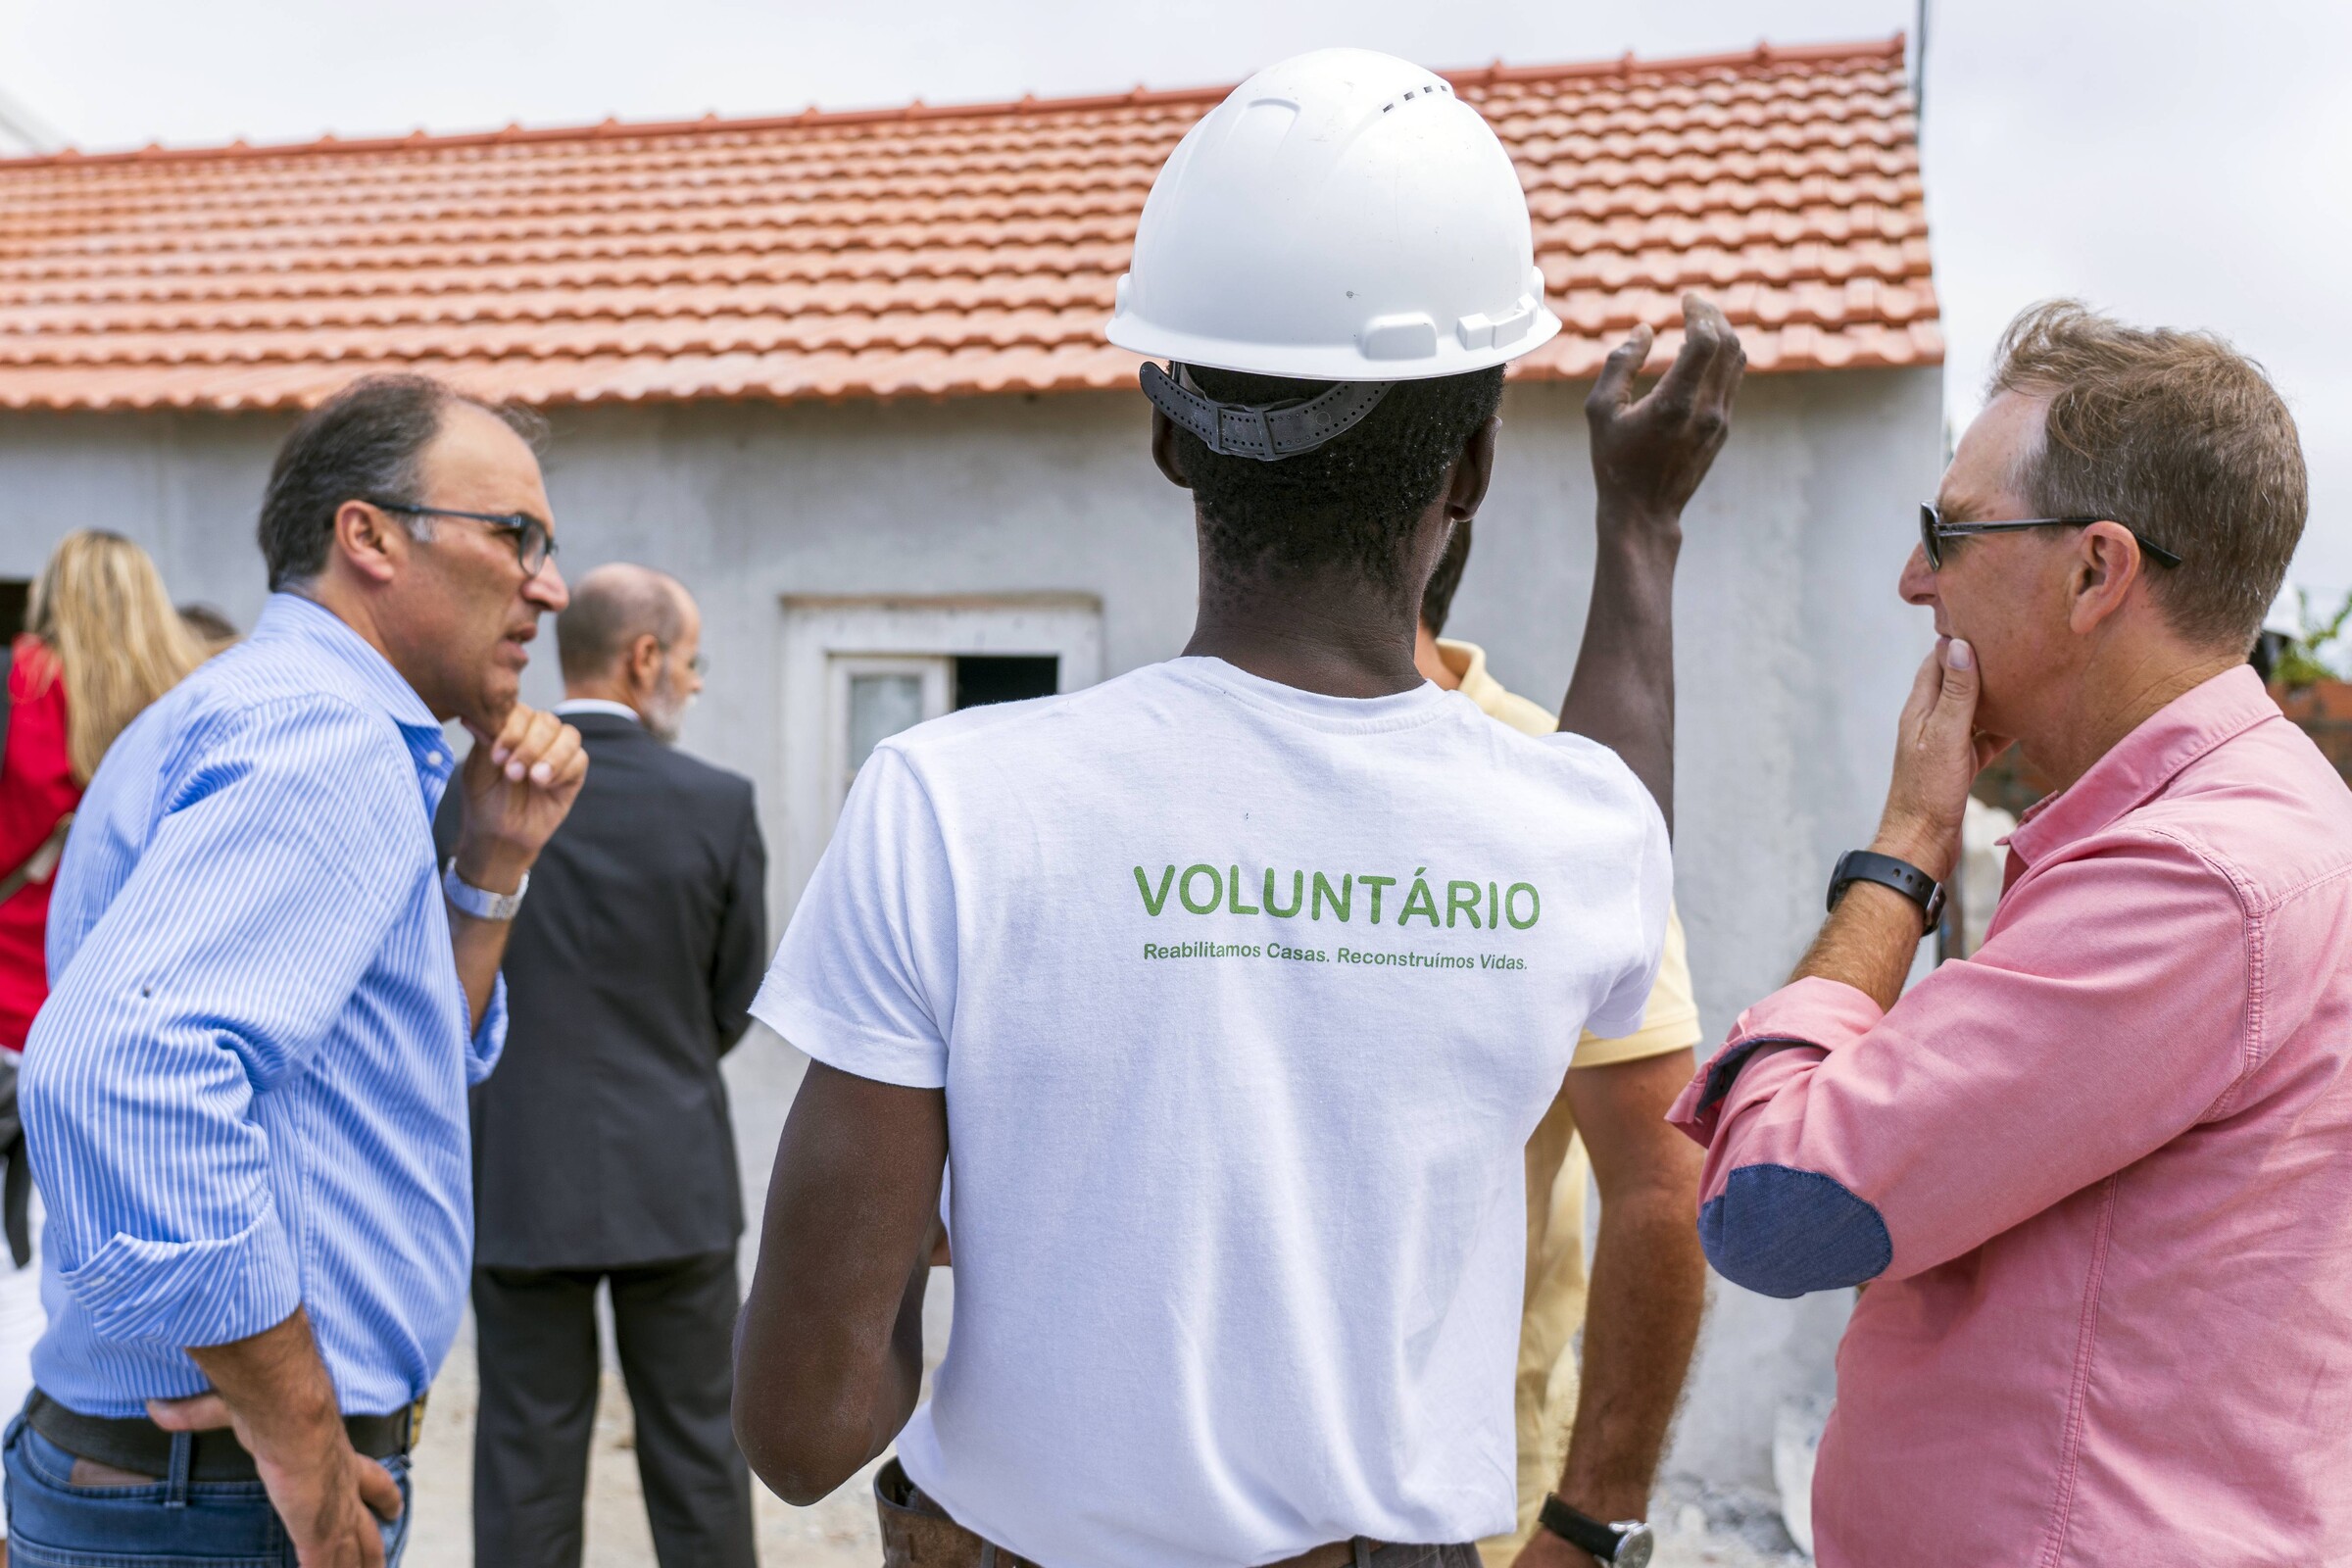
(674,1323)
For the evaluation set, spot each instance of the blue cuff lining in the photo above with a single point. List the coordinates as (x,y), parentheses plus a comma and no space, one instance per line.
(1785,1232)
(1724,1071)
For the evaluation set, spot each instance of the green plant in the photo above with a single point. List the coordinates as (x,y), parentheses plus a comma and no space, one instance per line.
(2301,661)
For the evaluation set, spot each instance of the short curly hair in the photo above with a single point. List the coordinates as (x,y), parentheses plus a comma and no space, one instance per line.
(1351,502)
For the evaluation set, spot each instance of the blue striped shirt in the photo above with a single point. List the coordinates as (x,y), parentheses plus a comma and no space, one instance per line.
(247,1090)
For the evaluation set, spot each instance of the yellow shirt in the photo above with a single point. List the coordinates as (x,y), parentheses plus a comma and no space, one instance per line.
(1545,1393)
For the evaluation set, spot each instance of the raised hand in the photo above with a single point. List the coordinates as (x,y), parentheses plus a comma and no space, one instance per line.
(1649,456)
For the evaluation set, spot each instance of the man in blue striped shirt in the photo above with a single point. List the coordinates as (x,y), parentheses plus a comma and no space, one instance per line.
(246,1099)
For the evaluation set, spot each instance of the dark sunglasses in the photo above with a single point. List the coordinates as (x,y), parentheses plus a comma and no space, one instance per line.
(533,544)
(1934,530)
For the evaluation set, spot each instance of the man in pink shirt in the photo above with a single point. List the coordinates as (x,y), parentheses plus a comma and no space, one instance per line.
(2097,1177)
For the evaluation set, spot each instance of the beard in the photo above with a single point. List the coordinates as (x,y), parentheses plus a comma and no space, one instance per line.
(664,710)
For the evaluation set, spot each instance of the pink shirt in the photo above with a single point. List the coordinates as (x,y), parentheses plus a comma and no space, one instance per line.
(2099,1176)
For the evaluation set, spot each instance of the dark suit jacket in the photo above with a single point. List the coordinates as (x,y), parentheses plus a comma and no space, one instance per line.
(602,1138)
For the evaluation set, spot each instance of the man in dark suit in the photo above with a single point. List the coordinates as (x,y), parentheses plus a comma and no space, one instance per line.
(602,1146)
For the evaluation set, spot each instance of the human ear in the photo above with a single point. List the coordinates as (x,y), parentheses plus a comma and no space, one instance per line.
(369,541)
(645,662)
(2106,563)
(1466,484)
(1163,450)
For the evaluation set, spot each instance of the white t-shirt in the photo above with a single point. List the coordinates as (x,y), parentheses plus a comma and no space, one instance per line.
(1246,1001)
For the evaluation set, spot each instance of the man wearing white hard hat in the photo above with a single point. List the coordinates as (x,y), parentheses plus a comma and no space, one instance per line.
(1234,1043)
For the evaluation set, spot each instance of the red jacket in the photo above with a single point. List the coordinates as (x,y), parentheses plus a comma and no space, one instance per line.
(36,788)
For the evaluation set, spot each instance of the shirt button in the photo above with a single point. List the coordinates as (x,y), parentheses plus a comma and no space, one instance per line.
(432,758)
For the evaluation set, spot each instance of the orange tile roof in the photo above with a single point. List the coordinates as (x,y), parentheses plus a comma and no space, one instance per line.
(916,251)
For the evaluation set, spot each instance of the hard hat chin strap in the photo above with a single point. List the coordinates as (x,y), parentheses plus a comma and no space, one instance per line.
(1267,432)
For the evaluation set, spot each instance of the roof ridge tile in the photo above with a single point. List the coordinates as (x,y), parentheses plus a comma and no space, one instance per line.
(918,250)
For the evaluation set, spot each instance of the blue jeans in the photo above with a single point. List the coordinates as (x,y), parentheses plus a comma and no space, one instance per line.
(53,1523)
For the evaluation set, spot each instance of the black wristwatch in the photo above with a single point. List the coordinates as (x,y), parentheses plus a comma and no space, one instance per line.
(1865,865)
(1627,1542)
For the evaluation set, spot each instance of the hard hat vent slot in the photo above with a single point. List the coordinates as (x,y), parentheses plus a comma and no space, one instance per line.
(1428,91)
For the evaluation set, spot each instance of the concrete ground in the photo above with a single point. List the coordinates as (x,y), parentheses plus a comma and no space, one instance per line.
(838,1533)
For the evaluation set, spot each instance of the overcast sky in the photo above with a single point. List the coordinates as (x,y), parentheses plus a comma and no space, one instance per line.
(2175,161)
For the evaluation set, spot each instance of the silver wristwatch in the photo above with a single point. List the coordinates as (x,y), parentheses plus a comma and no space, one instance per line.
(476,903)
(1635,1544)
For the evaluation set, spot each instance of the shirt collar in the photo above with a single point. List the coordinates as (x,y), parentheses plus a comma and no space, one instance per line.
(2139,766)
(290,617)
(570,705)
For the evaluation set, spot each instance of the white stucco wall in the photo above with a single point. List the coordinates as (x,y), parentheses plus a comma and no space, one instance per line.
(1792,653)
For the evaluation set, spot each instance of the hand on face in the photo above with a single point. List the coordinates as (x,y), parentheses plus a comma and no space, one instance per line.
(468,608)
(519,784)
(1648,457)
(1938,753)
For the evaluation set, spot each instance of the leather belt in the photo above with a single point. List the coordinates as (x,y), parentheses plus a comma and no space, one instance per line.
(917,1533)
(141,1446)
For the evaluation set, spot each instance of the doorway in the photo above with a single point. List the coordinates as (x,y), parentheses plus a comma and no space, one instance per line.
(858,671)
(881,695)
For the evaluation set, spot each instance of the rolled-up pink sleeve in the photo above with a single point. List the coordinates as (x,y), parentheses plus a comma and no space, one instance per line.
(2109,1010)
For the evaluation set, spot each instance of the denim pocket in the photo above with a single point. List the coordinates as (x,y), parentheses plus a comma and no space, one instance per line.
(54,1524)
(51,1467)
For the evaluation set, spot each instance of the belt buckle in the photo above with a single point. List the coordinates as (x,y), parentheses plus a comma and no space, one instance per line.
(415,1431)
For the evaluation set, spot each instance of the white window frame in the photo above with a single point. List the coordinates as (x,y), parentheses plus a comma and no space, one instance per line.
(828,638)
(936,671)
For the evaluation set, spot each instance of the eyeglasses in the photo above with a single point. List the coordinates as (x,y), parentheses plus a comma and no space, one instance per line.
(700,664)
(535,545)
(1934,530)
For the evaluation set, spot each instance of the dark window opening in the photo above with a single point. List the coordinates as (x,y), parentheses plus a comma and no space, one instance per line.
(16,593)
(984,678)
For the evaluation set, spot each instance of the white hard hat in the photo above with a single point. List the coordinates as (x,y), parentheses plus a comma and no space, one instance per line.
(1341,217)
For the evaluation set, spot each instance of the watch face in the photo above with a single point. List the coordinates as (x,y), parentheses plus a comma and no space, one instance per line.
(1633,1545)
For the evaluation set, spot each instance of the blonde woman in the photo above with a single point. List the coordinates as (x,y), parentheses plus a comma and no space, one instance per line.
(102,641)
